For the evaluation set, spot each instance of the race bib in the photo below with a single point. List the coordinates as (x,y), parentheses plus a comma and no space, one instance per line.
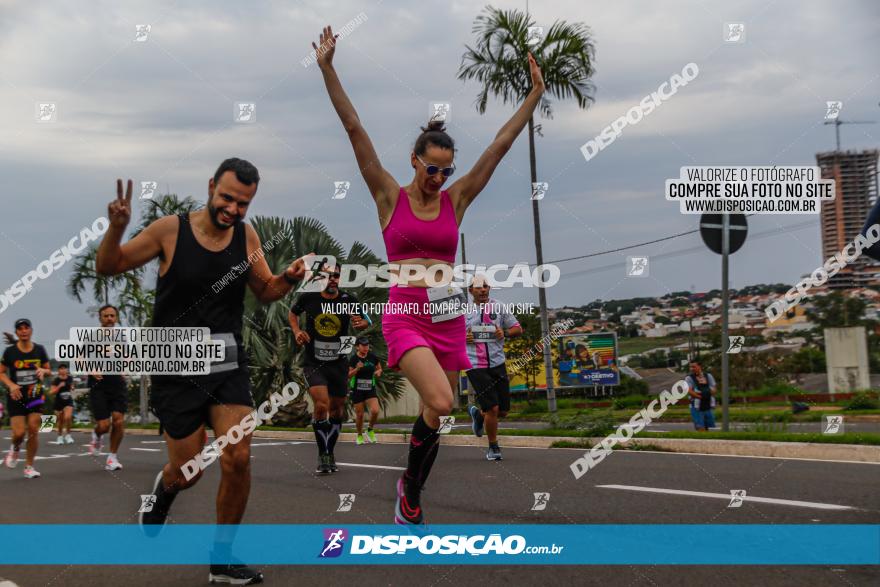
(483,332)
(65,395)
(26,377)
(446,302)
(364,384)
(327,350)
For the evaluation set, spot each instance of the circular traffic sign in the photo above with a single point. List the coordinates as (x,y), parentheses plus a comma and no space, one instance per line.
(711,229)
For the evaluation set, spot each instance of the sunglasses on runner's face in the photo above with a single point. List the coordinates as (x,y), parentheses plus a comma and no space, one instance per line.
(333,275)
(433,169)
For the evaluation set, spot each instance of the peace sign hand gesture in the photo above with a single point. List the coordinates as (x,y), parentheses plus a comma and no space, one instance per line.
(119,210)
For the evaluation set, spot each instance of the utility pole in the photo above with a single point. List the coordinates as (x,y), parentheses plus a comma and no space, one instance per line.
(725,342)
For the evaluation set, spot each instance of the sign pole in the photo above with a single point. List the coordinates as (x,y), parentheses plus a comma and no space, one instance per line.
(725,342)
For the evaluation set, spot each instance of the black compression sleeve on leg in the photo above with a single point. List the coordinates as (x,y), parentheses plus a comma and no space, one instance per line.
(422,444)
(335,429)
(322,434)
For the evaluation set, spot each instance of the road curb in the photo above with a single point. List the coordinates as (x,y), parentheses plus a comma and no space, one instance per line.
(746,448)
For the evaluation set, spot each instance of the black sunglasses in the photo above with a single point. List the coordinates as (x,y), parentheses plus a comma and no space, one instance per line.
(433,169)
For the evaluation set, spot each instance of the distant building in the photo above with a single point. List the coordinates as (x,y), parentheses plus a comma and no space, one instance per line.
(855,184)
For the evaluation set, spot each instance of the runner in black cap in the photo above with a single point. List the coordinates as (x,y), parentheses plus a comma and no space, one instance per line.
(363,368)
(62,387)
(22,369)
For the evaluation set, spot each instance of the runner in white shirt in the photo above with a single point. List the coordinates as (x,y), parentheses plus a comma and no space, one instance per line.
(488,325)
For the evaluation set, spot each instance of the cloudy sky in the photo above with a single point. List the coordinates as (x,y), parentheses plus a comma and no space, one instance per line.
(163,110)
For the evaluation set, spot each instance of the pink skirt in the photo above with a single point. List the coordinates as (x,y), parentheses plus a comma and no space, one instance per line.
(406,324)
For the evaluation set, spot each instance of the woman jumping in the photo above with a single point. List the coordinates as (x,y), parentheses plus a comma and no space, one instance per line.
(420,228)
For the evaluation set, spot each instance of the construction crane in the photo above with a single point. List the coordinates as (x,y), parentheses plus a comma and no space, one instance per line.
(837,122)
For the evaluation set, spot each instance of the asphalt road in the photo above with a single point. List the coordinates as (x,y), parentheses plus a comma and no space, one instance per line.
(463,489)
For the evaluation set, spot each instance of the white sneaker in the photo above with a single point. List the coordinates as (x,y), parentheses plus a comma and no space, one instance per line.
(95,445)
(30,472)
(113,464)
(68,439)
(59,440)
(11,458)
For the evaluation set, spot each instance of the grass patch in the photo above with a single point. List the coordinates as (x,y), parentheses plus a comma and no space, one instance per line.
(866,438)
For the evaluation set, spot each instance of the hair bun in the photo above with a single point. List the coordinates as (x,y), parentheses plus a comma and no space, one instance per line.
(434,125)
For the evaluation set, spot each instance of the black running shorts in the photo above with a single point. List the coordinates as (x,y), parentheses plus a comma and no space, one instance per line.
(491,387)
(20,407)
(104,400)
(183,403)
(331,374)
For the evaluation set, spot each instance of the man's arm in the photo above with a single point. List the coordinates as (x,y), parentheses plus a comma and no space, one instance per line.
(511,325)
(267,287)
(299,336)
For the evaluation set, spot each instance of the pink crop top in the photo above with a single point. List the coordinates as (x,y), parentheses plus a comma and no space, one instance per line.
(409,237)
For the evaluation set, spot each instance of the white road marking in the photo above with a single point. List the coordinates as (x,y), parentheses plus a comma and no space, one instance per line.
(726,497)
(147,449)
(281,443)
(373,466)
(152,442)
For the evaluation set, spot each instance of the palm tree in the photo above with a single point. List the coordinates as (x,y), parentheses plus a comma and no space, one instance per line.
(274,359)
(499,62)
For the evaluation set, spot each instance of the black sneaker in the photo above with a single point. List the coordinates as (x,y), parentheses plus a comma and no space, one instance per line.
(494,453)
(234,575)
(323,467)
(407,509)
(153,521)
(333,467)
(476,420)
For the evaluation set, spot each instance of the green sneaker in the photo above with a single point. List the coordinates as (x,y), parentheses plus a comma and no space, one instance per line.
(372,436)
(360,439)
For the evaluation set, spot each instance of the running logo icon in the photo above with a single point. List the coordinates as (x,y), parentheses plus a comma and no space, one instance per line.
(534,35)
(346,500)
(833,425)
(734,32)
(541,500)
(440,111)
(141,32)
(539,189)
(47,423)
(736,344)
(832,109)
(341,189)
(637,266)
(334,542)
(148,189)
(346,344)
(316,272)
(147,503)
(446,423)
(47,112)
(245,112)
(736,498)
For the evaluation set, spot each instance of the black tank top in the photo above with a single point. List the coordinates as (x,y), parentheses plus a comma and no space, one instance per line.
(204,288)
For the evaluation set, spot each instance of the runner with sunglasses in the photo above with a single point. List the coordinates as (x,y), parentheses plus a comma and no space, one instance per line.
(420,228)
(325,360)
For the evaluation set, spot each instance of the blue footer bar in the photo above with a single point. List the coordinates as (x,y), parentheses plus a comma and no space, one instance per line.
(523,544)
